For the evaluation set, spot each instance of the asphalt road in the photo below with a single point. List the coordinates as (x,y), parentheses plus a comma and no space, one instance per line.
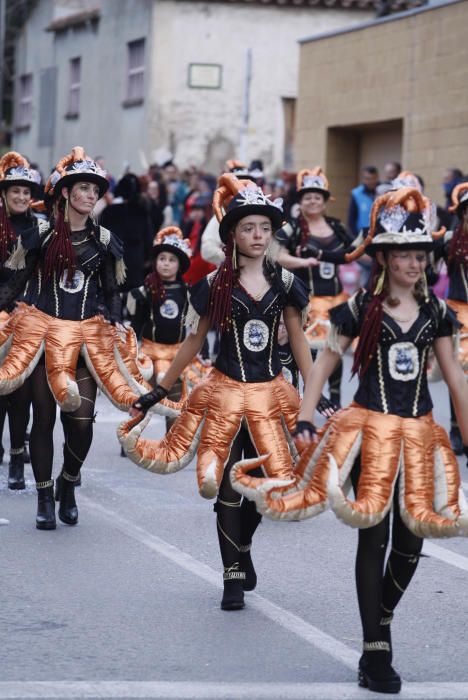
(126,604)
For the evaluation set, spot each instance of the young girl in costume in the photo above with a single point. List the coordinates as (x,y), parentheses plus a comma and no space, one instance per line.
(61,339)
(244,406)
(386,442)
(453,248)
(18,184)
(159,307)
(302,240)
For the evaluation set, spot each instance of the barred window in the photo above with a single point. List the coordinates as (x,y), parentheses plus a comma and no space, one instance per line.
(136,70)
(25,88)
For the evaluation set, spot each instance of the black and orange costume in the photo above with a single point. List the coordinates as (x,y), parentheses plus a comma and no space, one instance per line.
(15,171)
(453,248)
(159,310)
(63,338)
(385,444)
(245,405)
(323,280)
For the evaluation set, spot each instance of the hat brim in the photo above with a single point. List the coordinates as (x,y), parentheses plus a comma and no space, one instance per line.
(326,193)
(70,180)
(33,186)
(373,248)
(232,217)
(184,259)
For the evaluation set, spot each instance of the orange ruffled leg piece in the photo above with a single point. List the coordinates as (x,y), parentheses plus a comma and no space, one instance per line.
(98,352)
(432,502)
(177,448)
(25,333)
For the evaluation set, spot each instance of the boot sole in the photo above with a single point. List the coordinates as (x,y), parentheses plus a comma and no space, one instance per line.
(17,487)
(46,526)
(390,687)
(233,606)
(68,521)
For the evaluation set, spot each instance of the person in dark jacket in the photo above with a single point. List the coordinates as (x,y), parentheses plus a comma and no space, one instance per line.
(127,217)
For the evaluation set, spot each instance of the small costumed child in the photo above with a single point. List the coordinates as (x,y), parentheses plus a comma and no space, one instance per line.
(159,307)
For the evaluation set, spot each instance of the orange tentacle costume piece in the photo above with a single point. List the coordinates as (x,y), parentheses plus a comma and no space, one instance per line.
(461,309)
(416,449)
(213,413)
(318,319)
(32,332)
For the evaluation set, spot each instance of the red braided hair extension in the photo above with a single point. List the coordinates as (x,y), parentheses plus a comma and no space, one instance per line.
(370,329)
(458,248)
(155,284)
(60,255)
(7,233)
(220,299)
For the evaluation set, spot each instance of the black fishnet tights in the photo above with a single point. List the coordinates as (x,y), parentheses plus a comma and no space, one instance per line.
(17,406)
(237,519)
(379,591)
(77,426)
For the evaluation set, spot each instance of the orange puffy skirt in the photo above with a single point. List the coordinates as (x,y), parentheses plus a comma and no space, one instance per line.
(416,451)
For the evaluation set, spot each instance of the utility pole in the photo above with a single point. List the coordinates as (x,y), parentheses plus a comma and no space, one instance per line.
(245,107)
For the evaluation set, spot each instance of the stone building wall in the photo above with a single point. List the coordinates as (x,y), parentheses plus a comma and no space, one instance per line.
(406,74)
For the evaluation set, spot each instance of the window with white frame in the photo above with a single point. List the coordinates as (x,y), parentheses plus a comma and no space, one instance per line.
(24,114)
(135,71)
(74,87)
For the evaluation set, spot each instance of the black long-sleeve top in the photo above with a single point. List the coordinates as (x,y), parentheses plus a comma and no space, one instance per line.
(160,322)
(93,289)
(322,279)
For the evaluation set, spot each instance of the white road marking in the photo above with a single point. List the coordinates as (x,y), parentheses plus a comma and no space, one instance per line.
(322,641)
(445,555)
(67,690)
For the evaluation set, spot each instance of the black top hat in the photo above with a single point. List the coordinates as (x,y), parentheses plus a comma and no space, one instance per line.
(243,198)
(171,240)
(15,170)
(76,167)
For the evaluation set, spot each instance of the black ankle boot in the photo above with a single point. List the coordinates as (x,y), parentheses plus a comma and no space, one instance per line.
(375,669)
(456,440)
(45,519)
(16,471)
(246,565)
(233,596)
(65,493)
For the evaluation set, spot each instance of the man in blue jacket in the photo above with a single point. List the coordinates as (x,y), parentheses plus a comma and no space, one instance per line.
(359,209)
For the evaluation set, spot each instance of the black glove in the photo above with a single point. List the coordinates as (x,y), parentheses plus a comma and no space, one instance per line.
(310,251)
(465,450)
(302,426)
(147,400)
(325,405)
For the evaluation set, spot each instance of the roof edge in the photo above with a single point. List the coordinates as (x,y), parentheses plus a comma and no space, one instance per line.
(381,20)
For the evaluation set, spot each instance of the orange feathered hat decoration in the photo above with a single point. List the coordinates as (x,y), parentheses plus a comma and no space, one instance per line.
(313,180)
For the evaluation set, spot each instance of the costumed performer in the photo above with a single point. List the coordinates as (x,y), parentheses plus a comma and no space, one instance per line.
(19,183)
(386,442)
(302,241)
(453,249)
(159,308)
(61,339)
(245,405)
